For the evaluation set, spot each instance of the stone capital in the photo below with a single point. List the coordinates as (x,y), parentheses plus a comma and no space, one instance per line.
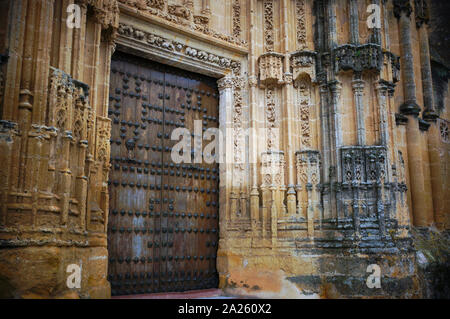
(402,7)
(225,83)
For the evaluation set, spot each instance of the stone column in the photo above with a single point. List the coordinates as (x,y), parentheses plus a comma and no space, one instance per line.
(326,148)
(332,32)
(354,22)
(288,92)
(420,202)
(253,82)
(429,114)
(225,85)
(382,91)
(358,91)
(336,137)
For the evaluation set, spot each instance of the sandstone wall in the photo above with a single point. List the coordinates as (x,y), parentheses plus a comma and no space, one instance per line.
(336,147)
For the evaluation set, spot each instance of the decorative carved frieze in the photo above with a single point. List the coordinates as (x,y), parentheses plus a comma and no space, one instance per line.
(179,48)
(271,68)
(268,26)
(358,57)
(238,128)
(201,19)
(179,11)
(178,15)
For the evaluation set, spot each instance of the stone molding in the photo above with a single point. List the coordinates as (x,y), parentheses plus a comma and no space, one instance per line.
(177,48)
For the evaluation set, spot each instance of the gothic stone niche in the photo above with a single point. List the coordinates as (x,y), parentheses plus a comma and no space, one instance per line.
(304,62)
(308,179)
(273,183)
(273,165)
(271,68)
(363,164)
(364,185)
(394,62)
(81,166)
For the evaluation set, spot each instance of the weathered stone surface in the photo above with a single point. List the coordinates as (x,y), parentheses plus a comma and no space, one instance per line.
(349,148)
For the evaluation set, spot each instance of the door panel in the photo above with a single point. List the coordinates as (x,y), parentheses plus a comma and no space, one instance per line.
(163,224)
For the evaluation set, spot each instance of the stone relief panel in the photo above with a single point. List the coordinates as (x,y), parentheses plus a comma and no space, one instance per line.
(182,15)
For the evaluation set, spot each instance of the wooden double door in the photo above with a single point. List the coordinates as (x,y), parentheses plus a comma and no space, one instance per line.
(163,220)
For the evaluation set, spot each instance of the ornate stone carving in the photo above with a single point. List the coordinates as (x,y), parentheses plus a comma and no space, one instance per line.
(395,65)
(271,111)
(106,12)
(268,26)
(238,147)
(363,164)
(201,19)
(157,8)
(301,24)
(443,130)
(271,68)
(303,62)
(224,83)
(358,57)
(236,18)
(402,6)
(157,4)
(304,103)
(173,46)
(421,12)
(179,11)
(273,166)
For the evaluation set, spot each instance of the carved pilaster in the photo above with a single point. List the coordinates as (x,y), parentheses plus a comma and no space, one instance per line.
(358,92)
(308,180)
(300,8)
(268,26)
(237,18)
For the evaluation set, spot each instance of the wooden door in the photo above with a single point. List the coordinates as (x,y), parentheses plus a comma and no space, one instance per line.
(163,221)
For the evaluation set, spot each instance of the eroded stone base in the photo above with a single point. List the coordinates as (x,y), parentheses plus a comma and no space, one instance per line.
(40,272)
(305,275)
